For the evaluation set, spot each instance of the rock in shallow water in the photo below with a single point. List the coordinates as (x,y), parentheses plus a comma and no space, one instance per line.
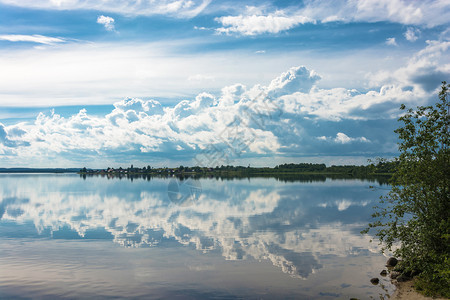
(374,281)
(391,262)
(395,274)
(383,273)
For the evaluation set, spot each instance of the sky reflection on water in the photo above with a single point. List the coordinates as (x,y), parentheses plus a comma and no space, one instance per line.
(240,238)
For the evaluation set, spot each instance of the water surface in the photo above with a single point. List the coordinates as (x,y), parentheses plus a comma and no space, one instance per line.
(63,236)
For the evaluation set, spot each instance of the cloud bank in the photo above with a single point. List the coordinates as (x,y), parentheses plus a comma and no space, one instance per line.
(35,38)
(428,13)
(288,117)
(177,8)
(264,19)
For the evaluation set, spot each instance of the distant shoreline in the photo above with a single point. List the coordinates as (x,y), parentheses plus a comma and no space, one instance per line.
(383,168)
(305,172)
(39,170)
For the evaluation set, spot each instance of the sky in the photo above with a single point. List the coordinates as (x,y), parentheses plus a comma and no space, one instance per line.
(204,82)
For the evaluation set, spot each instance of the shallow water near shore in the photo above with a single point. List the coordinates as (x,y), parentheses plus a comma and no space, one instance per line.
(62,236)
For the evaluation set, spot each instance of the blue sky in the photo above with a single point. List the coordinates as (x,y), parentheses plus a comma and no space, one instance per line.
(109,83)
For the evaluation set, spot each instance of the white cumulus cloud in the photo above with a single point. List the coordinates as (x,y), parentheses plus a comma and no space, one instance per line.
(425,69)
(108,22)
(412,34)
(258,24)
(391,41)
(344,139)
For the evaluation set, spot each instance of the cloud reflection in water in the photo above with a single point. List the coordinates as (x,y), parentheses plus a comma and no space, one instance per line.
(292,225)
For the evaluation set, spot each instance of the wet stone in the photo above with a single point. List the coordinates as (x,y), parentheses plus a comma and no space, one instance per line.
(395,274)
(391,262)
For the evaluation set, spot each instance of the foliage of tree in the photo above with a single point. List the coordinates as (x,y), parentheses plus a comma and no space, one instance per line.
(415,215)
(383,166)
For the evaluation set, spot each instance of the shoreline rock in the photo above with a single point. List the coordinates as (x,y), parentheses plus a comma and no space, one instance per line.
(403,282)
(391,262)
(394,274)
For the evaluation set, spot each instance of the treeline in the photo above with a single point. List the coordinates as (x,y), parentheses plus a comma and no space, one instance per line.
(380,167)
(302,167)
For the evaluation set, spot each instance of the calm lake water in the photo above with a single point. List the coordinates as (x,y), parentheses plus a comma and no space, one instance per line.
(62,236)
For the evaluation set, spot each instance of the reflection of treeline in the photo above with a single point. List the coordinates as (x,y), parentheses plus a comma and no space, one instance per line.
(380,179)
(306,172)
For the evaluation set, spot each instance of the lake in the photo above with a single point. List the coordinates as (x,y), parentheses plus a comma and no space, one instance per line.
(64,236)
